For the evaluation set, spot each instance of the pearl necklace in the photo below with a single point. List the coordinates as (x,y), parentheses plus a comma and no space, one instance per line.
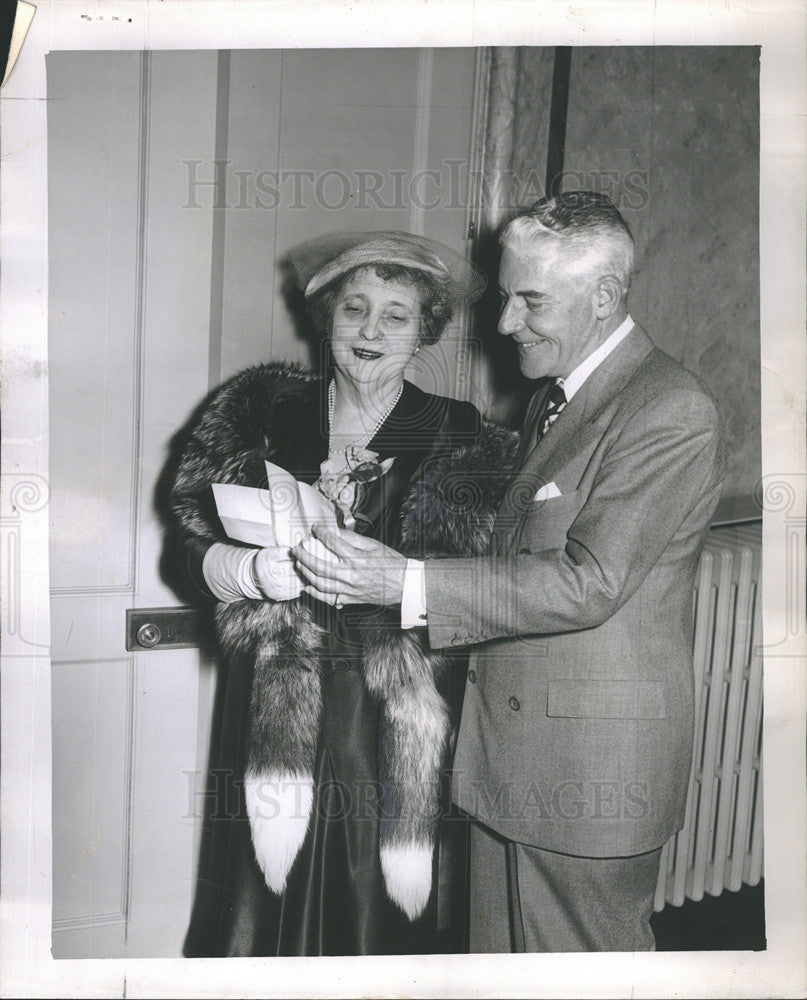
(366,438)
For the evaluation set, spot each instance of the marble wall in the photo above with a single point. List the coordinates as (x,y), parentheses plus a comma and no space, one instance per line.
(672,135)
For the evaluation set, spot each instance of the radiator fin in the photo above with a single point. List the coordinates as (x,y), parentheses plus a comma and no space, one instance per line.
(720,844)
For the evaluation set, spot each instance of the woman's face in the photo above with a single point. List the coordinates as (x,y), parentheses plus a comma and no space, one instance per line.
(375,327)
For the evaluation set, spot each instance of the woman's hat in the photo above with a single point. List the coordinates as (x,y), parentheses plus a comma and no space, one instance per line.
(320,261)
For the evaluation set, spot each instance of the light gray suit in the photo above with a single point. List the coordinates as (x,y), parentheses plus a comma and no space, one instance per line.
(577,728)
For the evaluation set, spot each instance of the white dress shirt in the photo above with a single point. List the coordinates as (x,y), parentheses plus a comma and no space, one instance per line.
(413,600)
(595,359)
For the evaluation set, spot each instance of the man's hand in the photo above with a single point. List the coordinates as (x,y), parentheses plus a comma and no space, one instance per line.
(367,572)
(274,573)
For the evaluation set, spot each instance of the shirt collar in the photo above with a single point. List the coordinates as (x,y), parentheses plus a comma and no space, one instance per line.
(585,368)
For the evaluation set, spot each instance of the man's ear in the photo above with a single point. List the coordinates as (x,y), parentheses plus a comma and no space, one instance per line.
(607,296)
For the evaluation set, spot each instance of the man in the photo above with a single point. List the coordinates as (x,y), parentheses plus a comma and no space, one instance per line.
(575,743)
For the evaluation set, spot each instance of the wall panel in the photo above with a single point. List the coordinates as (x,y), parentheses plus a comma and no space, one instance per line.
(88,713)
(249,259)
(93,169)
(330,140)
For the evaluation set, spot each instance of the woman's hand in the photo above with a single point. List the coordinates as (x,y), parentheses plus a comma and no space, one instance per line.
(366,572)
(275,575)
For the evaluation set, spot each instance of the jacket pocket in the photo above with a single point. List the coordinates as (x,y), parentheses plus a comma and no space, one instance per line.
(595,699)
(552,506)
(546,522)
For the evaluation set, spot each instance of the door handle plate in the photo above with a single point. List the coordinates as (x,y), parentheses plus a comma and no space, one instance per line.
(163,628)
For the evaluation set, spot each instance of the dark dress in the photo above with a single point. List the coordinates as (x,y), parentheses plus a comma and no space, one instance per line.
(335,902)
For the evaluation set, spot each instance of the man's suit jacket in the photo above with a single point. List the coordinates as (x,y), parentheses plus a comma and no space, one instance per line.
(577,725)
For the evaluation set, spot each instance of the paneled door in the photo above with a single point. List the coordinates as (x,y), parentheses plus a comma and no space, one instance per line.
(129,292)
(176,182)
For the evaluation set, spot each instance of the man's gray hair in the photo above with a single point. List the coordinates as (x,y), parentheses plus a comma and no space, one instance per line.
(585,221)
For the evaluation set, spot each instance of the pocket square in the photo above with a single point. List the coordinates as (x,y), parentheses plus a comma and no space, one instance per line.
(546,492)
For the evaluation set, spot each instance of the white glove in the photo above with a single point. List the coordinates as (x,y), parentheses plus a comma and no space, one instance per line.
(274,574)
(233,573)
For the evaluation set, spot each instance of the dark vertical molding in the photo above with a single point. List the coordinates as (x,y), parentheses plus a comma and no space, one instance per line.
(558,110)
(219,233)
(498,153)
(420,157)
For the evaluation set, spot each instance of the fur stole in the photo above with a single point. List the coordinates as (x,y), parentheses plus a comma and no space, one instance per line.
(449,510)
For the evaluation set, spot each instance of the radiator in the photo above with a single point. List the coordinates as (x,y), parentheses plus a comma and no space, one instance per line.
(720,845)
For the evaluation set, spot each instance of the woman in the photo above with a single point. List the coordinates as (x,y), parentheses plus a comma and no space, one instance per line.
(331,721)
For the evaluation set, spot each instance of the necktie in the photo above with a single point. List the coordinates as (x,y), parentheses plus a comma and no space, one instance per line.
(556,401)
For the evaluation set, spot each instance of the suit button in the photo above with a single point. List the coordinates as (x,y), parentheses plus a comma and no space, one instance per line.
(472,677)
(515,704)
(525,552)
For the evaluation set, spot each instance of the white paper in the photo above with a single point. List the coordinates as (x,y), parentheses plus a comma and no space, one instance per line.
(295,507)
(283,514)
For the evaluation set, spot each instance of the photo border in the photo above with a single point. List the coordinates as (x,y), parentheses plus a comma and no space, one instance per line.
(25,876)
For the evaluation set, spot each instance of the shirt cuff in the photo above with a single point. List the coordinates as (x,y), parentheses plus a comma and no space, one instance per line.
(413,600)
(227,570)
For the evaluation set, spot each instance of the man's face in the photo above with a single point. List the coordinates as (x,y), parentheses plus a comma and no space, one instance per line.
(547,308)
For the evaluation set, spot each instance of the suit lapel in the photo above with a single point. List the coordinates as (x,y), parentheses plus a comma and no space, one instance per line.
(528,428)
(569,432)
